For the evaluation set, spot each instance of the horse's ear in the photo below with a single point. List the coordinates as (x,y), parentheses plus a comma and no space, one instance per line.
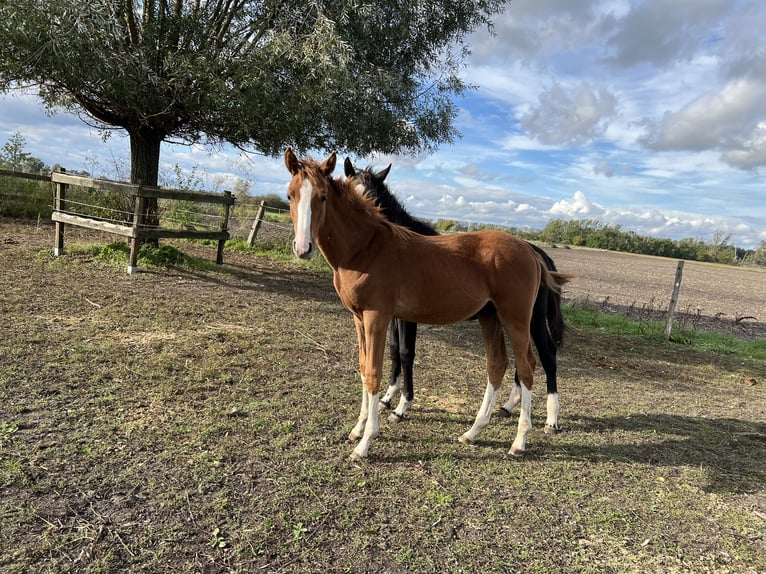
(381,175)
(348,168)
(328,165)
(292,163)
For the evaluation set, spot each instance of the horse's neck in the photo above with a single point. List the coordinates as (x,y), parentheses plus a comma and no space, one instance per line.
(344,234)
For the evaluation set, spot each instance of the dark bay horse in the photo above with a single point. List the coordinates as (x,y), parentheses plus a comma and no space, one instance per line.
(382,270)
(547,326)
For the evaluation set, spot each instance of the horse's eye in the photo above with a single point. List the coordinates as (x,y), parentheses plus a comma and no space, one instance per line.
(323,198)
(289,197)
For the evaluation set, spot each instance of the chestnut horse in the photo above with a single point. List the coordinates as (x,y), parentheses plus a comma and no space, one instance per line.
(382,271)
(547,327)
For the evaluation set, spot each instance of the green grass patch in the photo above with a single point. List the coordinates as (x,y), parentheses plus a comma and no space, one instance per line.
(276,250)
(117,254)
(583,317)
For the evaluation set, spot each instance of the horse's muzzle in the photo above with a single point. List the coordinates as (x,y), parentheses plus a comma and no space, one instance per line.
(304,252)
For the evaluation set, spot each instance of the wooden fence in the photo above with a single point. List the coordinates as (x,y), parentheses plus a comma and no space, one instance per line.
(136,229)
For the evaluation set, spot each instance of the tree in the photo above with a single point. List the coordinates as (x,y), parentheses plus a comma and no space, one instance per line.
(12,155)
(259,74)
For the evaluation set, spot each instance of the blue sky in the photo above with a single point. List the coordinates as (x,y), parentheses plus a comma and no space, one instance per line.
(650,115)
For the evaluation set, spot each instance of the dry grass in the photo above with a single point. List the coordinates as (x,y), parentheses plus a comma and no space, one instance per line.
(195,421)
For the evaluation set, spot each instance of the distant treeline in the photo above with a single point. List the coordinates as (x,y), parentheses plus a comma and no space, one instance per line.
(592,233)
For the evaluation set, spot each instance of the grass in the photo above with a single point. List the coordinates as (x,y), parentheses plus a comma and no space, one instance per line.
(188,419)
(585,317)
(577,314)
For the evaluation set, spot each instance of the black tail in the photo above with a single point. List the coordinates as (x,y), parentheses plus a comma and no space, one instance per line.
(555,319)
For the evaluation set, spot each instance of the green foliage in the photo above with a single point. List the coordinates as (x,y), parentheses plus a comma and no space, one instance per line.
(25,198)
(116,254)
(592,233)
(7,430)
(278,251)
(248,72)
(587,317)
(757,257)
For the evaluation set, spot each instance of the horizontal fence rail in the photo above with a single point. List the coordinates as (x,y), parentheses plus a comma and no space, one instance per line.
(134,226)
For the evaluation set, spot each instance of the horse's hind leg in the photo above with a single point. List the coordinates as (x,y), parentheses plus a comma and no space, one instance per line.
(546,350)
(547,353)
(525,365)
(407,334)
(497,363)
(395,383)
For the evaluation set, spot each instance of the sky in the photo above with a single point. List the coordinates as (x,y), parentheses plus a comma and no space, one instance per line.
(647,114)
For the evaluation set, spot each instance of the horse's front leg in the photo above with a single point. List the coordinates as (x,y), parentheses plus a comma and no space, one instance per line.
(358,430)
(396,365)
(374,330)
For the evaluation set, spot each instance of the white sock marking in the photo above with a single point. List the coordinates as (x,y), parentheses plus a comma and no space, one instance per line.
(552,407)
(484,414)
(525,422)
(371,428)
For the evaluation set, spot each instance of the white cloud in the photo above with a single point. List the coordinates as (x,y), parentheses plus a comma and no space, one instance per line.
(718,120)
(572,118)
(579,207)
(658,32)
(644,113)
(752,152)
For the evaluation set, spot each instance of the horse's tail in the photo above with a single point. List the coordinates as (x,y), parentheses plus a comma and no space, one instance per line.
(554,317)
(552,281)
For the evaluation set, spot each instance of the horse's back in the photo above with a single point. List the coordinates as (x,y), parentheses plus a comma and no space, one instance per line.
(448,278)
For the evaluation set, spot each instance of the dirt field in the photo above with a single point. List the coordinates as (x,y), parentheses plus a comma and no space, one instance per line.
(712,296)
(177,421)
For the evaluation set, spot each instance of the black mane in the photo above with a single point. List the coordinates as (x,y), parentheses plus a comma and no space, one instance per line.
(377,190)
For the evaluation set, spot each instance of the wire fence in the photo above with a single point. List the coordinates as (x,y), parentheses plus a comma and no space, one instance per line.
(22,195)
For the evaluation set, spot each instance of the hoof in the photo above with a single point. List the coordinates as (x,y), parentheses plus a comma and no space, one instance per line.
(384,405)
(551,429)
(355,457)
(516,452)
(465,440)
(353,437)
(395,418)
(503,413)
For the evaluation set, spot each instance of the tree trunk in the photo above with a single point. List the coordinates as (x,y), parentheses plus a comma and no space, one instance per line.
(144,167)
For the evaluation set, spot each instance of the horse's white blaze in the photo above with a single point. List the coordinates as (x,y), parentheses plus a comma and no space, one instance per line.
(302,245)
(553,411)
(525,422)
(483,416)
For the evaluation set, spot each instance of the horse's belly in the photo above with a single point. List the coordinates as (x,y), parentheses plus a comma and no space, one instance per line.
(440,307)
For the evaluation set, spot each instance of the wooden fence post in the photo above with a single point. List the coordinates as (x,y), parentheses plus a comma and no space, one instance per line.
(59,204)
(674,300)
(256,224)
(224,227)
(135,241)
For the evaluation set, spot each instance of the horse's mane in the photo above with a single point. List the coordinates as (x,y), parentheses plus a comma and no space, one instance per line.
(345,192)
(392,209)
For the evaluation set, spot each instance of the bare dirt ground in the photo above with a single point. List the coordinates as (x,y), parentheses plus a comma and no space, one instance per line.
(713,297)
(196,421)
